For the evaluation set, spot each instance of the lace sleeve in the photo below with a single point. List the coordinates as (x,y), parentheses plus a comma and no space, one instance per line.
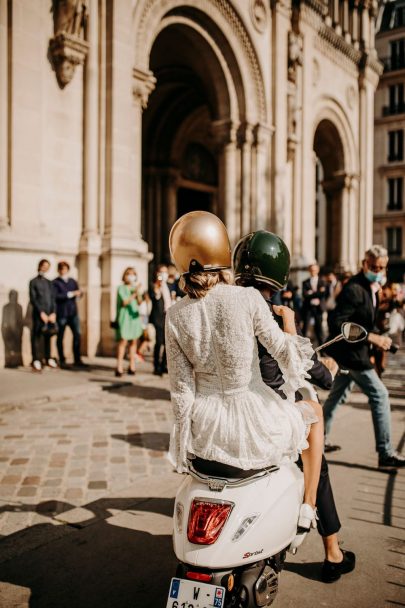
(292,353)
(182,389)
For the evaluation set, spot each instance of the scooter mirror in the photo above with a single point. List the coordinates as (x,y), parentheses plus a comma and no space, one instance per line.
(353,332)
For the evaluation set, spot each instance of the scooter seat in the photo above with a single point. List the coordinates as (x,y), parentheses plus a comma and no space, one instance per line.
(218,469)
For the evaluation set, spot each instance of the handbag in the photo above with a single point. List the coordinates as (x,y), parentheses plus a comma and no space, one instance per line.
(114,324)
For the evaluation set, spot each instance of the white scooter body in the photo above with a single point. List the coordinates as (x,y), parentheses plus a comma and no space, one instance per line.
(274,501)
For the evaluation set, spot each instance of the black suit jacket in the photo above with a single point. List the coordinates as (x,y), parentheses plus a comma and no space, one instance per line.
(42,296)
(354,303)
(321,293)
(272,376)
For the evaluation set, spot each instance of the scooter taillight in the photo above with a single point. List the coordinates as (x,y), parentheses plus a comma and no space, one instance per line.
(206,520)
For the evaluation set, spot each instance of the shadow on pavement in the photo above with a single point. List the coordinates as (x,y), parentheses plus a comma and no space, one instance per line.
(151,441)
(311,570)
(104,563)
(364,467)
(150,393)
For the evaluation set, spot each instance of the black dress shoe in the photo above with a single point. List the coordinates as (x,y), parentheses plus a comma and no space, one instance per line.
(131,372)
(118,374)
(80,363)
(332,572)
(395,461)
(157,372)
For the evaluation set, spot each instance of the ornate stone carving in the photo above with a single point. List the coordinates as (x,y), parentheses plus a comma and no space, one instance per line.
(295,54)
(144,83)
(316,72)
(258,13)
(351,96)
(293,117)
(67,48)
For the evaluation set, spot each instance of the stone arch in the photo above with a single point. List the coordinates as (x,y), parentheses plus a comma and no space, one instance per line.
(336,183)
(224,25)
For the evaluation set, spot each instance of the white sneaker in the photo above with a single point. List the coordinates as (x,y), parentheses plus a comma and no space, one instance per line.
(37,366)
(307,517)
(52,363)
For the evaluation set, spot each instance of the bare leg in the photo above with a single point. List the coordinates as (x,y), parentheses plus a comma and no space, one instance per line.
(132,354)
(120,354)
(332,549)
(312,457)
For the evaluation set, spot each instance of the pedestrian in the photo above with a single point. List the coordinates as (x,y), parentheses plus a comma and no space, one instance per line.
(42,299)
(314,294)
(145,341)
(358,302)
(173,282)
(161,300)
(268,269)
(128,320)
(66,293)
(333,288)
(224,413)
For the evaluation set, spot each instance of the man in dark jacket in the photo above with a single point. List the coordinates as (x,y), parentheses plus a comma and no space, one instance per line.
(264,264)
(42,300)
(66,292)
(314,294)
(358,302)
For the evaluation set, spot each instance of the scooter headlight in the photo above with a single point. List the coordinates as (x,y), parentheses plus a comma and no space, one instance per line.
(179,512)
(245,525)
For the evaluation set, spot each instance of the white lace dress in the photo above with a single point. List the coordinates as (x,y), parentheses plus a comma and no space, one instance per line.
(222,408)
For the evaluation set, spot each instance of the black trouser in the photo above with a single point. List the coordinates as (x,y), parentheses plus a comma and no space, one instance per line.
(328,522)
(159,352)
(37,336)
(74,324)
(316,313)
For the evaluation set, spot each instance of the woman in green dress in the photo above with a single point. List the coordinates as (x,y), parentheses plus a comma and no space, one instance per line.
(128,320)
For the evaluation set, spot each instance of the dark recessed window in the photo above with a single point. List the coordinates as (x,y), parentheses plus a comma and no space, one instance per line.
(395,145)
(395,190)
(397,55)
(394,241)
(399,17)
(396,99)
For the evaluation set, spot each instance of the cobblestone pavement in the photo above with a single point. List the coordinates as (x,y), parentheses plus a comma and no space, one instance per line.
(86,497)
(78,448)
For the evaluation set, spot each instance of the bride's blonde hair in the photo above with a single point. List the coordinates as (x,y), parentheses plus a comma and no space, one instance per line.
(198,284)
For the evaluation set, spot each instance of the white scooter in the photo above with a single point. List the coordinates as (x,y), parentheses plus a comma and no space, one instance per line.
(231,535)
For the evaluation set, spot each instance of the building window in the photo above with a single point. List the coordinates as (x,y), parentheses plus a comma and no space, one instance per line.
(396,99)
(399,17)
(395,189)
(397,55)
(394,241)
(395,145)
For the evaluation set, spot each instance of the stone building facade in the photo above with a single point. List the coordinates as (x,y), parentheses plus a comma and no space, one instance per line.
(117,116)
(389,153)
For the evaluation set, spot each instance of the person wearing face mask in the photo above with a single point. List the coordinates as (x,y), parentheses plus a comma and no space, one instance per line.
(66,293)
(128,320)
(42,299)
(358,302)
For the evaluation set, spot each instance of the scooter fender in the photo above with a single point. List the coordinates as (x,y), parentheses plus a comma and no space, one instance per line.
(274,501)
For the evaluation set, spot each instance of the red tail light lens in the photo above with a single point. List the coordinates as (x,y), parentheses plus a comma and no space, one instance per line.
(199,576)
(206,520)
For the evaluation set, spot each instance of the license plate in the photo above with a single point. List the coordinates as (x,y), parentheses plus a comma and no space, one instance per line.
(193,594)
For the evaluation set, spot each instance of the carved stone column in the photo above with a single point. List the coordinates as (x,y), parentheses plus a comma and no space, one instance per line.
(90,241)
(225,136)
(262,135)
(245,141)
(4,111)
(143,83)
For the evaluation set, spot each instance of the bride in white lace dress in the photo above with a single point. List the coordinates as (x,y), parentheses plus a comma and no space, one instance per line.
(223,410)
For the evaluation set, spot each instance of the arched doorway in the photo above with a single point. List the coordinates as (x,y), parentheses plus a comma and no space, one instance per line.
(180,148)
(330,183)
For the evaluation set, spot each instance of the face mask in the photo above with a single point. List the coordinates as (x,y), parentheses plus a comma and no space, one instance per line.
(131,278)
(43,274)
(383,280)
(64,277)
(373,277)
(165,276)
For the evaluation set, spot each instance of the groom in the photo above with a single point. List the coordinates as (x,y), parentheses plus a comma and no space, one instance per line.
(262,260)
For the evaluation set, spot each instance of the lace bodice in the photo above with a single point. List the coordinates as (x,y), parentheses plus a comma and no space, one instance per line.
(212,353)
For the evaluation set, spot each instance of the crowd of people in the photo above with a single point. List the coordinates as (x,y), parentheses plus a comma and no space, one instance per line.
(139,309)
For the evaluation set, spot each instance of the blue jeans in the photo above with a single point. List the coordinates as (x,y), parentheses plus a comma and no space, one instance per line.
(378,398)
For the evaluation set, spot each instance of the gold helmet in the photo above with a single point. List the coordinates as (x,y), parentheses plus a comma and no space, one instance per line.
(199,242)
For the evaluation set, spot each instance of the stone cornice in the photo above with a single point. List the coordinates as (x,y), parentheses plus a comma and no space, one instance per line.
(319,6)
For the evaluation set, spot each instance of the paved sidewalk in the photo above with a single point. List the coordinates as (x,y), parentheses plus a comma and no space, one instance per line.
(86,496)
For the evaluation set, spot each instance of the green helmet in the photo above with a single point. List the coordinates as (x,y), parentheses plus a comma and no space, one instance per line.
(261,257)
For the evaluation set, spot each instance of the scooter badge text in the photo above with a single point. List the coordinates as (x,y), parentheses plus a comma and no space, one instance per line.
(249,554)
